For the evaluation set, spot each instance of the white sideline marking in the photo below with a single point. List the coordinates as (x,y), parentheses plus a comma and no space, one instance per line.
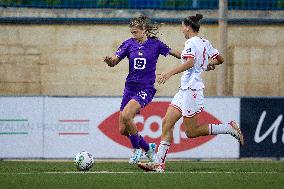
(132,172)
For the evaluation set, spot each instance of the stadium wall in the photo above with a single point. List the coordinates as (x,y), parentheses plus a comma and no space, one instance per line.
(67,59)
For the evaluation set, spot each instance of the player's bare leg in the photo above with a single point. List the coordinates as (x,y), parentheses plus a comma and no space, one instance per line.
(122,128)
(171,117)
(193,130)
(127,125)
(128,128)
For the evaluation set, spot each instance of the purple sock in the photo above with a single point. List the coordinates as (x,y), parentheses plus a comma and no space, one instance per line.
(134,139)
(143,144)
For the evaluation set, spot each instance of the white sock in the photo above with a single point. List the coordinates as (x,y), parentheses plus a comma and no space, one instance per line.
(162,152)
(215,129)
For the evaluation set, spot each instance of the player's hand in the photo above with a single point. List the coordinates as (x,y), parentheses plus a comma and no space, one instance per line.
(210,67)
(162,78)
(108,60)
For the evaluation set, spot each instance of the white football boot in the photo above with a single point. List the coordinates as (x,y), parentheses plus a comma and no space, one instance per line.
(236,132)
(152,166)
(136,155)
(151,152)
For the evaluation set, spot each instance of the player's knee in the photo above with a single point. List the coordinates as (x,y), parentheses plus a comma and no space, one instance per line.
(125,117)
(123,131)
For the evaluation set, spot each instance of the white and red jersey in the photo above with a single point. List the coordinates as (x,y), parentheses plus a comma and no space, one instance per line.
(200,50)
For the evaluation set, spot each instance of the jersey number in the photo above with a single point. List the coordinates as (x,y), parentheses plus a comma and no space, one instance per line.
(142,94)
(139,63)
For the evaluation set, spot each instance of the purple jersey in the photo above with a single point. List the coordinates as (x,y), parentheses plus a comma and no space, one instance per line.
(143,58)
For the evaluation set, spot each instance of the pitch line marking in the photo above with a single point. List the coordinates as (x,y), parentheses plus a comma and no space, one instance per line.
(132,172)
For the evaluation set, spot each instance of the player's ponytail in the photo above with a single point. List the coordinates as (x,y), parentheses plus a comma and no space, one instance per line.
(143,22)
(193,22)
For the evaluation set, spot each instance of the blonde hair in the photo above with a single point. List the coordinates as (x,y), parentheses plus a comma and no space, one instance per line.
(144,23)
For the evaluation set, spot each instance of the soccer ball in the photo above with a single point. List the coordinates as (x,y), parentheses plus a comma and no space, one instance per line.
(84,161)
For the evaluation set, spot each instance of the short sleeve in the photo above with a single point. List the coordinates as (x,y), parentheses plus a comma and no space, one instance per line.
(122,50)
(212,52)
(189,50)
(163,49)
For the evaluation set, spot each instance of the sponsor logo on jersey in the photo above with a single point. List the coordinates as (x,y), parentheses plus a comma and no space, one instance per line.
(188,50)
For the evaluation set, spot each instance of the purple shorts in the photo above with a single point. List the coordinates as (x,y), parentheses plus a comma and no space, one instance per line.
(143,97)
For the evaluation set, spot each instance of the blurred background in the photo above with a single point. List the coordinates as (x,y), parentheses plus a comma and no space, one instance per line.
(55,87)
(55,47)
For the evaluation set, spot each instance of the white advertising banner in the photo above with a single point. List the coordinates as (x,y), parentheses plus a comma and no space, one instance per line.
(73,127)
(149,123)
(21,127)
(69,125)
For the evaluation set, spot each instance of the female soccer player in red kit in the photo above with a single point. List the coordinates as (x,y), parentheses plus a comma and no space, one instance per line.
(189,100)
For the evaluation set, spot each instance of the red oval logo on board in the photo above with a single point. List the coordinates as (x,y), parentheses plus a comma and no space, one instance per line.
(149,124)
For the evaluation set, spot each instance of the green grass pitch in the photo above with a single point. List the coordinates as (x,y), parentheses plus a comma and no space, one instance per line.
(237,174)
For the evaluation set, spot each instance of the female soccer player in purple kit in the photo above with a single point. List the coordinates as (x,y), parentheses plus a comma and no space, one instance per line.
(142,51)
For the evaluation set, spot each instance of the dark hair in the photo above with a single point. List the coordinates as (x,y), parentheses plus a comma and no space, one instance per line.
(145,23)
(193,22)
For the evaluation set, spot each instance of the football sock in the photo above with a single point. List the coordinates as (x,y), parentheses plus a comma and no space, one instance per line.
(143,144)
(162,152)
(215,129)
(134,139)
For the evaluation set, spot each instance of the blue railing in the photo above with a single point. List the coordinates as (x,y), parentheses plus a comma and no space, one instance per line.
(147,4)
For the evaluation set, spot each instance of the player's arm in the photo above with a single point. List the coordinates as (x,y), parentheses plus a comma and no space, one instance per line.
(112,60)
(162,78)
(218,60)
(175,53)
